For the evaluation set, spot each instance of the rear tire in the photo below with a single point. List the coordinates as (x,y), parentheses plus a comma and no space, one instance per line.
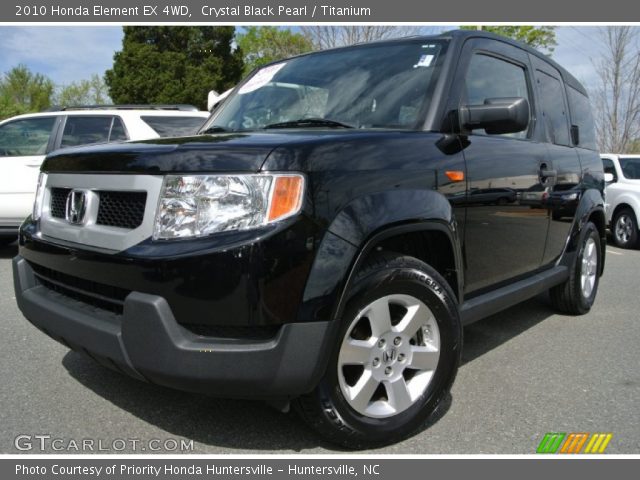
(625,229)
(395,359)
(576,295)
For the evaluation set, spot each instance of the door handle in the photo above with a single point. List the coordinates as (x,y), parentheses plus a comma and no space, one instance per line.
(547,172)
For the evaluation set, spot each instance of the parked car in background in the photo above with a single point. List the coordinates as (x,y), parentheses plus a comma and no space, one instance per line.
(623,198)
(26,139)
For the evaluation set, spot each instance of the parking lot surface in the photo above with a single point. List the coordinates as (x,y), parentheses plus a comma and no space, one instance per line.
(525,372)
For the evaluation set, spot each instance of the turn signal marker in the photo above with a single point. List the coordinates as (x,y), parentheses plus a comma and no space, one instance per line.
(286,196)
(455,175)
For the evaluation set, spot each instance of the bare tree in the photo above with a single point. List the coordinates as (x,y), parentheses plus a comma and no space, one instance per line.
(617,96)
(330,36)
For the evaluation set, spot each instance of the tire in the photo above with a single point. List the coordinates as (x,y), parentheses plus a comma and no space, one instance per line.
(406,285)
(577,294)
(624,229)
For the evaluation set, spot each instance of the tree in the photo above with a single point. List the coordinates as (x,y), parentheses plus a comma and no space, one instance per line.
(261,45)
(543,38)
(331,36)
(616,99)
(169,64)
(84,92)
(22,91)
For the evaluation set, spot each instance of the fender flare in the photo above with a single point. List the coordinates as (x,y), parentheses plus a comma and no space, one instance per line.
(439,225)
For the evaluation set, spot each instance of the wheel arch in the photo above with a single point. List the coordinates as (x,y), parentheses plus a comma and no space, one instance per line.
(590,209)
(432,241)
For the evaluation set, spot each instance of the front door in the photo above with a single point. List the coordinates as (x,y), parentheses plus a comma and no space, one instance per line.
(506,229)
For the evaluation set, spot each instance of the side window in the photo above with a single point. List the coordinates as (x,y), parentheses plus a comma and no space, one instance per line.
(552,103)
(608,166)
(80,130)
(491,77)
(29,136)
(118,132)
(582,117)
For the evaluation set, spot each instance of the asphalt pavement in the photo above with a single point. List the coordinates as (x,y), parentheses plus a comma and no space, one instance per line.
(526,371)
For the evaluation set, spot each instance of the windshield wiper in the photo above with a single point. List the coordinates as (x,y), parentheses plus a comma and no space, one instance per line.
(214,129)
(309,122)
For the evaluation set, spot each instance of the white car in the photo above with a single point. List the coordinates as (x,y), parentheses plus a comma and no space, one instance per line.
(25,140)
(623,198)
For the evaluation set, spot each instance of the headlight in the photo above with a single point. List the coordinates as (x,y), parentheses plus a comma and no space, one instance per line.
(37,203)
(198,205)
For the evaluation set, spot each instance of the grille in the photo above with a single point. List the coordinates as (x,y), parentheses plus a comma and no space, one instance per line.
(116,209)
(98,295)
(58,202)
(121,209)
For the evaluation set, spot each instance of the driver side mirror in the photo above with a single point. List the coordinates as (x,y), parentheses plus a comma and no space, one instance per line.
(608,177)
(496,115)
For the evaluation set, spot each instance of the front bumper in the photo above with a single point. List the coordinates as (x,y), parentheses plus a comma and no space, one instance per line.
(146,342)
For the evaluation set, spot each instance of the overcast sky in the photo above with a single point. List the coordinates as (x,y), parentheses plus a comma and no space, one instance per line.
(66,54)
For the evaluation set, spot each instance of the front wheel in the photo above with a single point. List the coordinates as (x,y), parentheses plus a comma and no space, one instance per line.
(576,295)
(397,354)
(625,229)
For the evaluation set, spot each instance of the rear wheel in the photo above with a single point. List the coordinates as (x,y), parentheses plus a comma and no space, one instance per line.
(577,294)
(625,229)
(397,354)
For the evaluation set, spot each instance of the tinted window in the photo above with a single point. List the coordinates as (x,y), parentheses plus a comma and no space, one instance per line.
(26,137)
(490,77)
(85,130)
(174,126)
(118,132)
(609,167)
(630,168)
(552,100)
(582,117)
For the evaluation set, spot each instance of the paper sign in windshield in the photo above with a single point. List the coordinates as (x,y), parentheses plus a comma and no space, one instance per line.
(424,61)
(261,78)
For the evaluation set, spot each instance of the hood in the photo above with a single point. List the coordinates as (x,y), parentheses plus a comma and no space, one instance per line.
(301,150)
(233,152)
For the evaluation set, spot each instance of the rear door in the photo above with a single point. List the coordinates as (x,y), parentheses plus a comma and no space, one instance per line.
(563,190)
(503,239)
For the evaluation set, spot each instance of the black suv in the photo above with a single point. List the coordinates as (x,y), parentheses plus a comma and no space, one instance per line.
(318,242)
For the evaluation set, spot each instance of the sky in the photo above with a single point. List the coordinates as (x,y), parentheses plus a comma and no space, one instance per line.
(69,53)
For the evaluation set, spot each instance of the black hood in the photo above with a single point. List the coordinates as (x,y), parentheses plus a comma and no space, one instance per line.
(237,152)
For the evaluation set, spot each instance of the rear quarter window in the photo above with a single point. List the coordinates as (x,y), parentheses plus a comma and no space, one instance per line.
(581,116)
(167,126)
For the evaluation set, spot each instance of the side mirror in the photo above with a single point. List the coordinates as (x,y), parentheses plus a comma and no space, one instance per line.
(212,99)
(496,115)
(608,177)
(215,98)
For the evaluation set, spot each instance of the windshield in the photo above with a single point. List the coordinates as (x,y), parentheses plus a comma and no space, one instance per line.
(370,86)
(630,168)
